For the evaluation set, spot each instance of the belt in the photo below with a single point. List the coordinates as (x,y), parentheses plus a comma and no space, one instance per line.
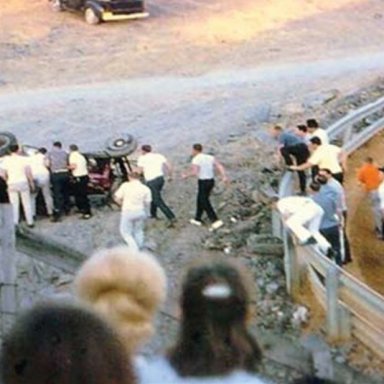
(61,171)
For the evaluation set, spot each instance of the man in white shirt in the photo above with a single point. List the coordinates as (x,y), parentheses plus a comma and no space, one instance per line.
(203,167)
(19,178)
(79,169)
(40,174)
(327,156)
(135,199)
(315,131)
(154,166)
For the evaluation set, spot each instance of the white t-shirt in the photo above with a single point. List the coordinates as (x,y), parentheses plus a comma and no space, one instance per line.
(380,191)
(37,164)
(287,206)
(321,134)
(15,166)
(77,159)
(135,196)
(327,156)
(158,371)
(206,165)
(152,165)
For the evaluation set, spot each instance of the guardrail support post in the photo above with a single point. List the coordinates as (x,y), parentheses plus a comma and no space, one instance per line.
(292,268)
(333,313)
(7,266)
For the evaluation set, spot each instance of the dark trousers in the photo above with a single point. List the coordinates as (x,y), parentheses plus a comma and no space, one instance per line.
(332,234)
(4,198)
(203,204)
(339,177)
(80,188)
(156,186)
(301,153)
(60,189)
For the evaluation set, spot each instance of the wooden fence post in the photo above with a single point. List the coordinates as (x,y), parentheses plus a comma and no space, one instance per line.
(332,289)
(7,267)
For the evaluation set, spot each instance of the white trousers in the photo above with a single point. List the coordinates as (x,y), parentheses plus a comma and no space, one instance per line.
(376,209)
(43,182)
(305,223)
(20,191)
(132,228)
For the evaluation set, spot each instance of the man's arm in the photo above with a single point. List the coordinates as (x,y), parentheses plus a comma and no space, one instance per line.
(343,160)
(168,169)
(193,171)
(28,173)
(220,168)
(301,167)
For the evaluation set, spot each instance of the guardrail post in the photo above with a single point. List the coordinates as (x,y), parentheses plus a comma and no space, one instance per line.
(277,228)
(332,292)
(291,265)
(7,266)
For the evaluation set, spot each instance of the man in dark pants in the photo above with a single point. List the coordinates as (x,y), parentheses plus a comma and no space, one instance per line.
(60,177)
(4,198)
(79,169)
(154,166)
(203,166)
(329,226)
(292,145)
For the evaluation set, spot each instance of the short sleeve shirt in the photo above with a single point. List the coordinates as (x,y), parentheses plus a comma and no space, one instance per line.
(152,165)
(206,165)
(37,163)
(327,156)
(322,135)
(15,166)
(135,196)
(329,205)
(80,162)
(288,139)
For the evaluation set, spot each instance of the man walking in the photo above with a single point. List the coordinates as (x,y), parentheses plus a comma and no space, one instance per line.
(40,174)
(135,199)
(369,176)
(292,145)
(154,166)
(203,167)
(78,167)
(58,165)
(18,175)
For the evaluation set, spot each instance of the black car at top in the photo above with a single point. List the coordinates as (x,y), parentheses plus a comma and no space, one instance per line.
(96,11)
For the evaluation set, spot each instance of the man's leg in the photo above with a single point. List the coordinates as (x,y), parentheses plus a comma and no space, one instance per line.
(286,154)
(156,187)
(46,191)
(333,236)
(27,207)
(57,196)
(138,231)
(205,202)
(84,200)
(301,154)
(15,201)
(199,201)
(376,211)
(65,186)
(126,229)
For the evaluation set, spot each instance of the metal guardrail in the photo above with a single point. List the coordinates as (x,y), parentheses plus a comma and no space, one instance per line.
(352,308)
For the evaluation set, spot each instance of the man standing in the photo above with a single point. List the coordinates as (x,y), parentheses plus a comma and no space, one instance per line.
(154,166)
(135,199)
(369,176)
(315,131)
(18,175)
(292,145)
(327,156)
(58,165)
(40,175)
(203,167)
(78,167)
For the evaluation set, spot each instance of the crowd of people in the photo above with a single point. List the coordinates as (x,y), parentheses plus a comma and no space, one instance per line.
(97,337)
(318,214)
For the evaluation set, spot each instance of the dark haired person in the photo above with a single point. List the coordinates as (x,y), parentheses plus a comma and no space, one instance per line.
(154,166)
(214,344)
(327,156)
(79,168)
(314,130)
(369,177)
(18,176)
(203,167)
(292,145)
(57,160)
(63,344)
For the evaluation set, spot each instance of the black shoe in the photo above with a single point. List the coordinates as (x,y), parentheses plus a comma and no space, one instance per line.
(55,219)
(86,216)
(310,241)
(331,254)
(31,225)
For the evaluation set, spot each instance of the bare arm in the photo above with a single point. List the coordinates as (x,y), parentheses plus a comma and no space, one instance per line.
(193,171)
(343,160)
(168,169)
(220,168)
(28,173)
(301,167)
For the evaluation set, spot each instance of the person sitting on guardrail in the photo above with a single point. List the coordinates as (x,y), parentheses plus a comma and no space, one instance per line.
(60,343)
(331,187)
(327,156)
(330,222)
(369,177)
(292,146)
(303,216)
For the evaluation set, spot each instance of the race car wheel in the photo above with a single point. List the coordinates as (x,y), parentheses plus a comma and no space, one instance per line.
(91,16)
(6,140)
(123,145)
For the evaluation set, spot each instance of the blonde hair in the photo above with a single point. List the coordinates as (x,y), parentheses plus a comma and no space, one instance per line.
(126,287)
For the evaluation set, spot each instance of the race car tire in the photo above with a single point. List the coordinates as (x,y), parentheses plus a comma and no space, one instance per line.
(123,145)
(6,140)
